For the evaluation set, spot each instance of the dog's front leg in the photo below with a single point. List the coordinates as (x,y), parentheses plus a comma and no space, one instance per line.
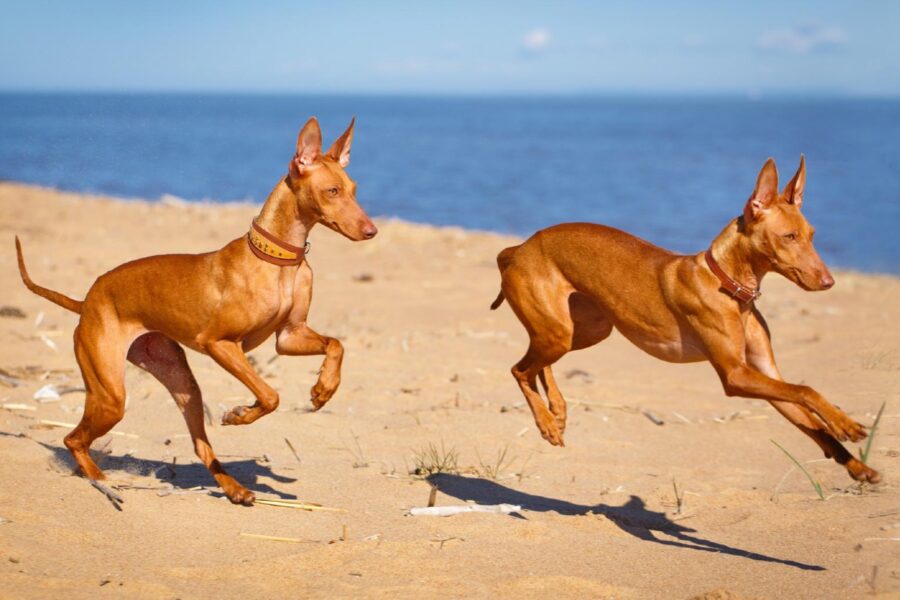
(761,357)
(301,340)
(725,341)
(230,357)
(743,380)
(740,379)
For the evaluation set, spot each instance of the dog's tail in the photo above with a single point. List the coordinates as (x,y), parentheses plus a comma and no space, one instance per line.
(55,297)
(496,303)
(503,260)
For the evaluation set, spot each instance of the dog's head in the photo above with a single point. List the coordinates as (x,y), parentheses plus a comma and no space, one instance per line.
(323,188)
(779,234)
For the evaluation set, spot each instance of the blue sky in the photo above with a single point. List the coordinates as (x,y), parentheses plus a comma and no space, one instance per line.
(653,46)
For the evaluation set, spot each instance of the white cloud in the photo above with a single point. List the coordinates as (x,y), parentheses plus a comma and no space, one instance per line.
(536,40)
(803,39)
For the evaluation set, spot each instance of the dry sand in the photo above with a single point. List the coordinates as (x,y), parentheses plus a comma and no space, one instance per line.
(428,364)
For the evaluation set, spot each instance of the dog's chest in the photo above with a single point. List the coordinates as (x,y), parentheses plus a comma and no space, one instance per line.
(278,305)
(284,297)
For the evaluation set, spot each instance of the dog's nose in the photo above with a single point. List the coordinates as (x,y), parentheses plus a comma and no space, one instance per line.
(827,281)
(369,231)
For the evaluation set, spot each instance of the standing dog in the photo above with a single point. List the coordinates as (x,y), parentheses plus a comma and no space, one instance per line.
(221,303)
(571,284)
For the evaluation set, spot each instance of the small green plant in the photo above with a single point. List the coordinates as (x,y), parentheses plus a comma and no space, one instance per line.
(521,474)
(356,451)
(815,482)
(433,459)
(493,469)
(864,452)
(679,498)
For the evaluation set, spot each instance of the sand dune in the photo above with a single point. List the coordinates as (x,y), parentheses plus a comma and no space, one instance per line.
(426,378)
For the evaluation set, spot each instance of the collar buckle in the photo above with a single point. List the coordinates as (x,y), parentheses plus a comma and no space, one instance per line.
(734,289)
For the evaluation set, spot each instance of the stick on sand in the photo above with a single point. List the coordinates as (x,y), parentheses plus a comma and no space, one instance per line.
(50,423)
(111,494)
(278,539)
(291,446)
(297,504)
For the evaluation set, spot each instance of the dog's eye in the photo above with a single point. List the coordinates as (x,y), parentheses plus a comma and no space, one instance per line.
(332,192)
(790,237)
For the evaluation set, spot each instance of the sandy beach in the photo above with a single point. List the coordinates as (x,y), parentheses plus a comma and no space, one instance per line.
(701,505)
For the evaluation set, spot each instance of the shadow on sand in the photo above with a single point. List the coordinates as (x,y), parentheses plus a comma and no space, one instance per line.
(185,476)
(633,517)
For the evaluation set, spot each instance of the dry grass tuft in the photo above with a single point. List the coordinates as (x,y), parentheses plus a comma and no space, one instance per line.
(432,460)
(494,468)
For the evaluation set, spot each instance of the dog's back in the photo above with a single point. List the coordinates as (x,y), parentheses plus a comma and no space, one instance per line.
(601,261)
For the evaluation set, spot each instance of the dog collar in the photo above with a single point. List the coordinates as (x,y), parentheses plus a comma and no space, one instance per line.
(729,285)
(269,248)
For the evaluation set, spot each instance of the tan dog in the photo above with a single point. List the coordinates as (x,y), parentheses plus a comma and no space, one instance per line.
(222,303)
(571,284)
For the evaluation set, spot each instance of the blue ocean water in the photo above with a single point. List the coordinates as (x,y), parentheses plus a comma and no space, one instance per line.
(673,170)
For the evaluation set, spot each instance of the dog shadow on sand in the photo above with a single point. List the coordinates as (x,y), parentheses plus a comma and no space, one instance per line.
(247,471)
(633,517)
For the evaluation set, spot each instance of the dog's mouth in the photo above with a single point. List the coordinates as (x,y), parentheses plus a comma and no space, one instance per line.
(335,226)
(802,280)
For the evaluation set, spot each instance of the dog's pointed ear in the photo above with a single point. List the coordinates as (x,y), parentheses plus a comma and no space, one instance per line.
(309,147)
(340,149)
(793,191)
(765,194)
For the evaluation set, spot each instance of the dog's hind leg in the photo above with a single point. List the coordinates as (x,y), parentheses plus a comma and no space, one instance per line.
(525,372)
(554,397)
(100,352)
(165,360)
(590,326)
(545,315)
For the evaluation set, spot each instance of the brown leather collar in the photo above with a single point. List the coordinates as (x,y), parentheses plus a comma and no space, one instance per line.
(729,285)
(269,248)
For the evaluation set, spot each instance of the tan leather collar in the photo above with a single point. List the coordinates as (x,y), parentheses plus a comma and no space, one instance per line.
(729,285)
(269,248)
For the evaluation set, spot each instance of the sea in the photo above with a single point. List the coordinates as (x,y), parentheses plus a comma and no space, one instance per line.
(670,169)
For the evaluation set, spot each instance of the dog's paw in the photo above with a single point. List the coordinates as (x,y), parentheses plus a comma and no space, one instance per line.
(839,424)
(862,472)
(235,492)
(561,423)
(241,495)
(550,431)
(235,416)
(855,431)
(846,429)
(321,393)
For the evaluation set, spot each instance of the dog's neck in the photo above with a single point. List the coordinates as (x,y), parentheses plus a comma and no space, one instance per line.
(281,216)
(732,250)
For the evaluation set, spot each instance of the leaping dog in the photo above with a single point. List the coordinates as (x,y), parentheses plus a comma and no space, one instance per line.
(571,284)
